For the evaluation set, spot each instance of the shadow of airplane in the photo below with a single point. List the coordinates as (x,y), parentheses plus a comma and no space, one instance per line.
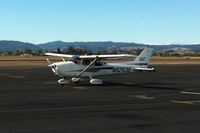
(146,85)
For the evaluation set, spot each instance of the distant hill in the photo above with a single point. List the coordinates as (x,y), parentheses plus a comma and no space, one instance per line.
(94,46)
(14,45)
(192,47)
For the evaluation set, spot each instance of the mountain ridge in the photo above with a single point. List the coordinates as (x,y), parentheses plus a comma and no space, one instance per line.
(9,45)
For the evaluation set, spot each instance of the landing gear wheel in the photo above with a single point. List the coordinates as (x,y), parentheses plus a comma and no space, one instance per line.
(96,81)
(75,80)
(63,81)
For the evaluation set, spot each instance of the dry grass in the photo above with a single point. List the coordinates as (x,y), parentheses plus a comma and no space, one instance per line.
(35,61)
(175,60)
(17,61)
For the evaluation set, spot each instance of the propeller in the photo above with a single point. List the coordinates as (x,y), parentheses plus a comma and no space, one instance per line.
(55,69)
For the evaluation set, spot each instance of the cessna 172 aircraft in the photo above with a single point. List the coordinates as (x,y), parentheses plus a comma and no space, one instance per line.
(83,66)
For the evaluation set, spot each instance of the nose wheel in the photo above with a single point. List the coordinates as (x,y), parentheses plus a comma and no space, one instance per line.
(75,80)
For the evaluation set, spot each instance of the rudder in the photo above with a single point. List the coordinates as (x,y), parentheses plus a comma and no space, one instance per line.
(144,57)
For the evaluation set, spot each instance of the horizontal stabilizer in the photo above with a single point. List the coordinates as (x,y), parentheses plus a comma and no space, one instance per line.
(145,69)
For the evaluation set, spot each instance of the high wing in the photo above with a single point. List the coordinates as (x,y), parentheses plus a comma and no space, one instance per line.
(59,55)
(107,56)
(93,56)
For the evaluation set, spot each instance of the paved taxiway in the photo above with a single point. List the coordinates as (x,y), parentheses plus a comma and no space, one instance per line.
(165,101)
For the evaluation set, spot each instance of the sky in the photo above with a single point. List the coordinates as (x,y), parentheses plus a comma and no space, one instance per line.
(140,21)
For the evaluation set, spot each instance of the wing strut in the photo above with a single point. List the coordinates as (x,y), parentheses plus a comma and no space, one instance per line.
(77,78)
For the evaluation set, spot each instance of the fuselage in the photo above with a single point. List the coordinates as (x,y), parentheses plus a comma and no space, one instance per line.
(71,69)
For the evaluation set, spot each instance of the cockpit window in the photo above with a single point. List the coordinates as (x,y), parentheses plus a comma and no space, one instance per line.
(75,59)
(86,62)
(97,63)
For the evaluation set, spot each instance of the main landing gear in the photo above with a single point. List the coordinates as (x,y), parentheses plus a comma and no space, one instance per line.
(76,80)
(96,81)
(63,81)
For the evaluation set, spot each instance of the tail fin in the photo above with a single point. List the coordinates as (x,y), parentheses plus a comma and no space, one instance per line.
(144,57)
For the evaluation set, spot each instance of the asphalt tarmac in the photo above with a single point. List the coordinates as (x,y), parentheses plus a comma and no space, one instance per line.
(166,101)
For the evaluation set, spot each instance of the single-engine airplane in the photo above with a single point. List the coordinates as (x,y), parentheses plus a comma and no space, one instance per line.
(78,67)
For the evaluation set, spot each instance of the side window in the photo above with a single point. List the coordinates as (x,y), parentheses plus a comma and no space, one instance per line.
(75,59)
(78,61)
(86,62)
(98,63)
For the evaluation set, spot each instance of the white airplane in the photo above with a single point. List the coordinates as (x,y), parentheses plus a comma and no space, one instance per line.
(79,67)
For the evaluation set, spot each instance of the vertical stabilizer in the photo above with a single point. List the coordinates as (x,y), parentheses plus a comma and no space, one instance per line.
(144,57)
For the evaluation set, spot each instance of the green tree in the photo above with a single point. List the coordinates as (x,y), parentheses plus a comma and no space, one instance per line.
(28,51)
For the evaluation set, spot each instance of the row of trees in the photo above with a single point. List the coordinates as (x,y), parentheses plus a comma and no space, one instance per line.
(70,50)
(176,53)
(82,51)
(19,52)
